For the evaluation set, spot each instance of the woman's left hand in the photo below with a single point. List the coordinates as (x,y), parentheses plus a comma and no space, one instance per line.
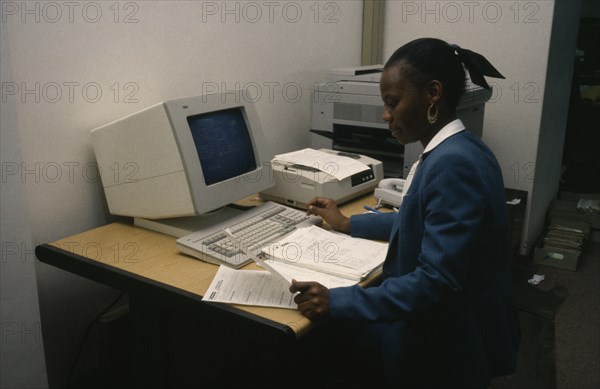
(313,299)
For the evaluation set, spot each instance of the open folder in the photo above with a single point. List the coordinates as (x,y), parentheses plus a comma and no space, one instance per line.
(323,252)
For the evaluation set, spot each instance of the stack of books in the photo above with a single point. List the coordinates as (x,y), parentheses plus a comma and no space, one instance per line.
(589,206)
(564,239)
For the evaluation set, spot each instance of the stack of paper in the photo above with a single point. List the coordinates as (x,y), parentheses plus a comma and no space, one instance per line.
(325,252)
(589,206)
(309,254)
(564,239)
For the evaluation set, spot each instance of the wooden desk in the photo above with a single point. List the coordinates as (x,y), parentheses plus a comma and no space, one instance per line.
(147,265)
(136,259)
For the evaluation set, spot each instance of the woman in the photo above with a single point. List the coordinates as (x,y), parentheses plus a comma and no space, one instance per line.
(444,314)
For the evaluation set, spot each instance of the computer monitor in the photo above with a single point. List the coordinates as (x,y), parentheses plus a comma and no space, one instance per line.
(183,157)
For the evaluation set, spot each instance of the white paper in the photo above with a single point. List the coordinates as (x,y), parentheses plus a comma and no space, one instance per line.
(536,279)
(337,166)
(249,287)
(328,252)
(288,273)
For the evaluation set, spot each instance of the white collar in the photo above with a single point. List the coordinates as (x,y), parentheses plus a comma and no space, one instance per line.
(446,132)
(454,127)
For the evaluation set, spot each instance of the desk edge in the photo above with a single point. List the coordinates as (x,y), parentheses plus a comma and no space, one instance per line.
(121,279)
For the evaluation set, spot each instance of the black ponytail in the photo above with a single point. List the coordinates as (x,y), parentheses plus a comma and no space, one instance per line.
(428,59)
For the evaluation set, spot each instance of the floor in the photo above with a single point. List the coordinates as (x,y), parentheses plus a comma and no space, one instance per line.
(560,323)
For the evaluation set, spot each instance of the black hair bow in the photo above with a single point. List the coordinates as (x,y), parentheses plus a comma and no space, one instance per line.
(477,66)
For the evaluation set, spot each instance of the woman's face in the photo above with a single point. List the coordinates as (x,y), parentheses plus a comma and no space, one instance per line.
(405,107)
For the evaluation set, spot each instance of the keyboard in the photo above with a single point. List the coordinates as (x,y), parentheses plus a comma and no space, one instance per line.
(236,241)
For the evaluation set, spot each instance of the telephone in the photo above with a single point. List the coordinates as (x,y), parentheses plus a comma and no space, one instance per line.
(389,191)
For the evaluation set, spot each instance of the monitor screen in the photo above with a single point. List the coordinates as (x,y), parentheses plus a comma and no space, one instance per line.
(193,155)
(223,144)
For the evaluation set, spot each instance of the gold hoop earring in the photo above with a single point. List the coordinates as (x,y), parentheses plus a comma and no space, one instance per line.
(432,118)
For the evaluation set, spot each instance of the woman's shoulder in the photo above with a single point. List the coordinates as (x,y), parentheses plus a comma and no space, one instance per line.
(463,154)
(461,150)
(461,146)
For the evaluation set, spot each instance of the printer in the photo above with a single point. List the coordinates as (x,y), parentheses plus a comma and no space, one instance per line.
(347,115)
(296,184)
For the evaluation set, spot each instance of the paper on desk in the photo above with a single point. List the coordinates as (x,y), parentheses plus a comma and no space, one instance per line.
(337,166)
(249,287)
(328,252)
(288,273)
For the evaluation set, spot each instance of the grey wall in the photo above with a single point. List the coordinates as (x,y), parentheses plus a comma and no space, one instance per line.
(554,114)
(79,66)
(21,348)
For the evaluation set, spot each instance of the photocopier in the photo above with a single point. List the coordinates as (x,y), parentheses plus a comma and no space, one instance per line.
(347,115)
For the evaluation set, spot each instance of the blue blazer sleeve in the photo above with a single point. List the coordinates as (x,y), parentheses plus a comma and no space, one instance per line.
(377,226)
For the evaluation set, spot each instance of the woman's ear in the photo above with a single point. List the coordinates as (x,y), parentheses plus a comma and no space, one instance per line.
(433,92)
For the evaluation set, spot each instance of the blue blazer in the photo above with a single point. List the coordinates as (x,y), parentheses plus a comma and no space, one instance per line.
(444,314)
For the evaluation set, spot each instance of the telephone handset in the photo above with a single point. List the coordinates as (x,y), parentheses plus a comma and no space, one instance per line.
(389,191)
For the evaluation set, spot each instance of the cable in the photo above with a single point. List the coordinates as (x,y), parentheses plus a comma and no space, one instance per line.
(85,335)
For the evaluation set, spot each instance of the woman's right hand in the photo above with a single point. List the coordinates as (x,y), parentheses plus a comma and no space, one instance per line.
(326,208)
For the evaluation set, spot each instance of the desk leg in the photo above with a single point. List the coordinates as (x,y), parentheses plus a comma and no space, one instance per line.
(149,339)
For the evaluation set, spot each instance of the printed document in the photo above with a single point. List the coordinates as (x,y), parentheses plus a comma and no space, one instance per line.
(287,273)
(249,287)
(327,252)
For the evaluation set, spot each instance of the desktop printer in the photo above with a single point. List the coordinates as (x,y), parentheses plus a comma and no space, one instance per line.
(296,185)
(347,115)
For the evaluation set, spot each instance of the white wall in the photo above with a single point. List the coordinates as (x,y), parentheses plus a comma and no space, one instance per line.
(554,114)
(22,362)
(515,37)
(136,54)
